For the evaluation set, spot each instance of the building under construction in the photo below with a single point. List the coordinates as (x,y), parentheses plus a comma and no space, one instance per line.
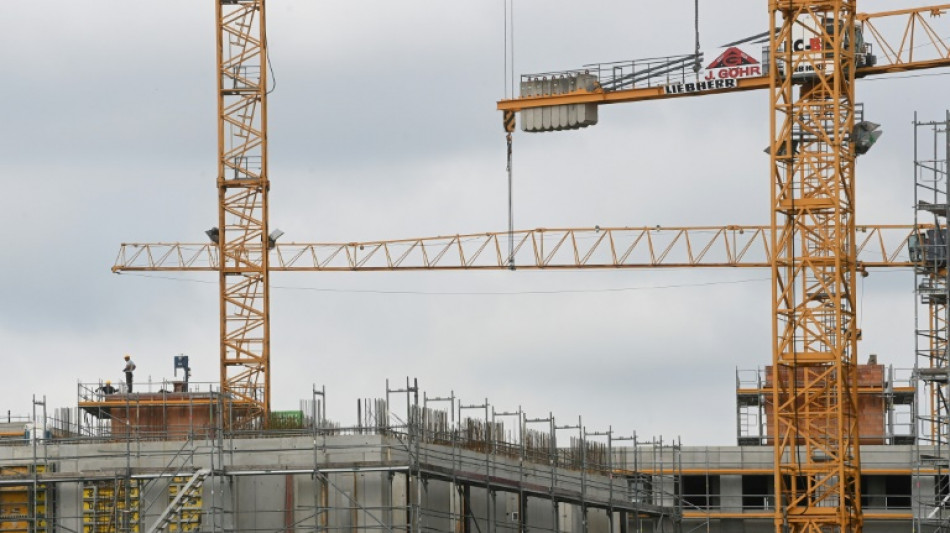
(173,457)
(823,443)
(178,461)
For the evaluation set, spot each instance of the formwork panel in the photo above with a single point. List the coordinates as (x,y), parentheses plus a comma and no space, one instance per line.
(23,509)
(111,506)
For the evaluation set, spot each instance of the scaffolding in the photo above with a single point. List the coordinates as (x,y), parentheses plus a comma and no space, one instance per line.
(887,405)
(928,249)
(165,410)
(730,488)
(412,462)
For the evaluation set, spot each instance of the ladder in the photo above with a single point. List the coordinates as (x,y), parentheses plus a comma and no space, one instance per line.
(185,497)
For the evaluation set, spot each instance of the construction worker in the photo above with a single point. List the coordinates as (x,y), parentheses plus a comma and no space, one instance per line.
(129,368)
(107,388)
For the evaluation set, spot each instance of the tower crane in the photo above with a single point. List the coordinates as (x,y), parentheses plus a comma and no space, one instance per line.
(812,239)
(816,51)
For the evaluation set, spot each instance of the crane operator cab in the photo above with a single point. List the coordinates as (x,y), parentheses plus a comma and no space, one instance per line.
(819,57)
(928,248)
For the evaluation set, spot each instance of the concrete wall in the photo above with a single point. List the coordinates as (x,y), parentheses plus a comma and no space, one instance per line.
(268,484)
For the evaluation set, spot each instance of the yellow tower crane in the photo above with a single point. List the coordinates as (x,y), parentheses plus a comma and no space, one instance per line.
(816,51)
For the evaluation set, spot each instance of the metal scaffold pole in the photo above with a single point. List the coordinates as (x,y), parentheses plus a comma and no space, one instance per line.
(929,250)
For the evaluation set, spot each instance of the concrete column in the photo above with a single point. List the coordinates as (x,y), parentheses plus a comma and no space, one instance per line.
(923,489)
(466,509)
(730,493)
(523,513)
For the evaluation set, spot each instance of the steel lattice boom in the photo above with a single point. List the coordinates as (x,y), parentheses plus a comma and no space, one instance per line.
(626,247)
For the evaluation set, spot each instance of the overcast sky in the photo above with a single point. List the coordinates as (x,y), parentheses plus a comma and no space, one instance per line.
(383,126)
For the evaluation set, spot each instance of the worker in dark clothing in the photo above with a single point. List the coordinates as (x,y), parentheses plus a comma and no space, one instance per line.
(107,388)
(129,368)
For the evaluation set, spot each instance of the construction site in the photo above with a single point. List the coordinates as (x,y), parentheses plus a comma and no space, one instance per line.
(827,437)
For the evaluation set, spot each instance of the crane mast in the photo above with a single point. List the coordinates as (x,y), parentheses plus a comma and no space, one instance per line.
(242,234)
(814,369)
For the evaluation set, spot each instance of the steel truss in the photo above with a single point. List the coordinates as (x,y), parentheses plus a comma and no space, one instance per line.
(242,231)
(817,457)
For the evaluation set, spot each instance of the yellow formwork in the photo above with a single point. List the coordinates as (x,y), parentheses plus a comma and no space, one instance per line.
(19,503)
(108,505)
(189,515)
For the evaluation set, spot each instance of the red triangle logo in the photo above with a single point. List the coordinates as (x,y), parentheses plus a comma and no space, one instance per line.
(732,57)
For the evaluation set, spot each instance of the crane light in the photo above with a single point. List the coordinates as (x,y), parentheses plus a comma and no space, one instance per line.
(864,135)
(213,234)
(781,148)
(272,238)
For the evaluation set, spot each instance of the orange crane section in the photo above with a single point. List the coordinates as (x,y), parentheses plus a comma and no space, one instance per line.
(242,235)
(905,40)
(814,268)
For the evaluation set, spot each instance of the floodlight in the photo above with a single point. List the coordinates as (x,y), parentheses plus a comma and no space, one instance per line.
(213,234)
(272,238)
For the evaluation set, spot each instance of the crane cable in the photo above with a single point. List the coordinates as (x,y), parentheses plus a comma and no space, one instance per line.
(697,66)
(511,222)
(509,118)
(504,35)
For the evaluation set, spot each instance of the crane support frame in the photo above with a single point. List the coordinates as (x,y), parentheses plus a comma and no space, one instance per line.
(814,267)
(242,235)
